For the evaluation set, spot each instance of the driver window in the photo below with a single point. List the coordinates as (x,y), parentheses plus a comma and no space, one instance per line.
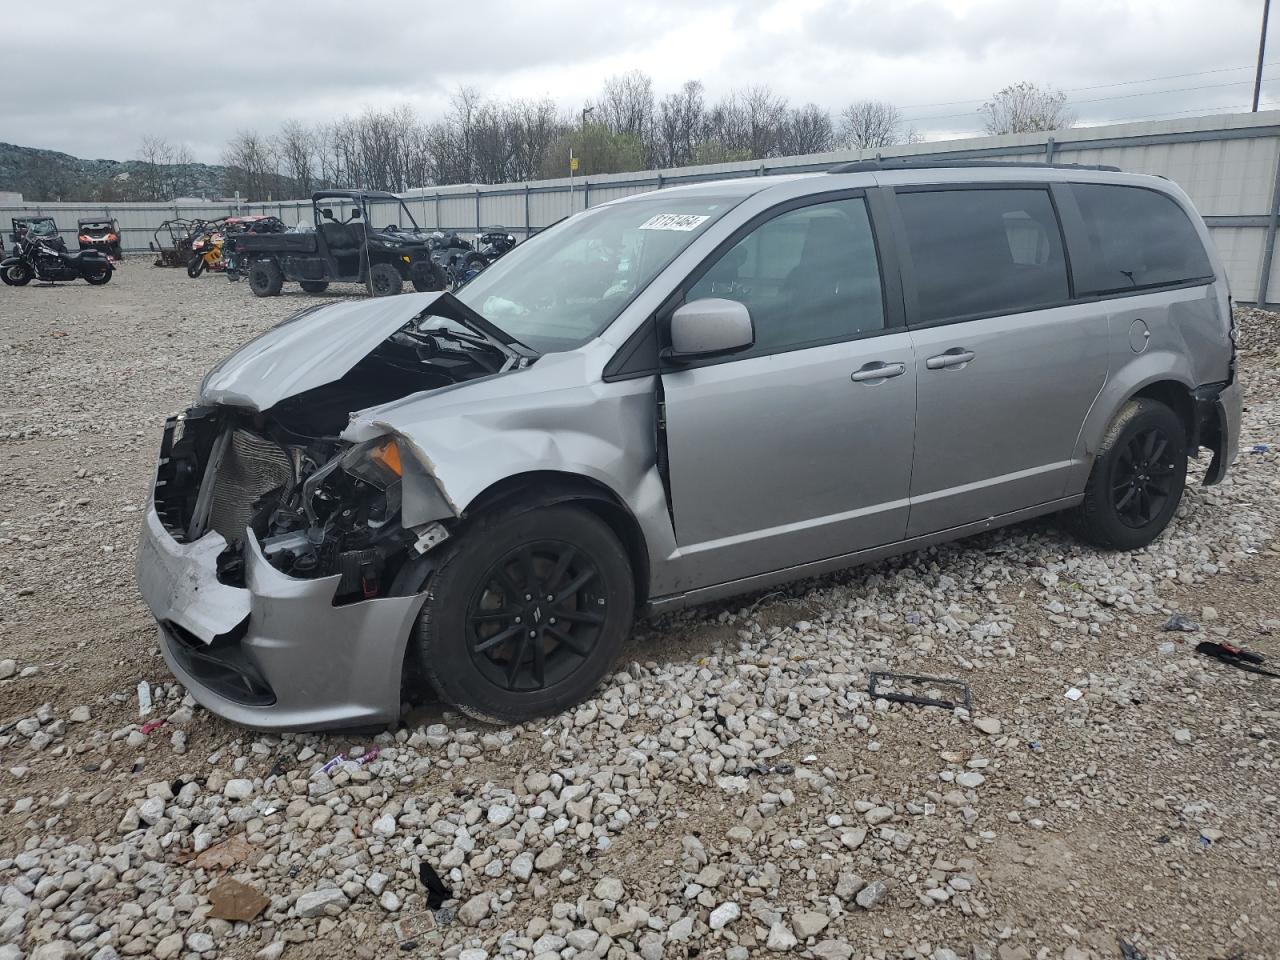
(808,276)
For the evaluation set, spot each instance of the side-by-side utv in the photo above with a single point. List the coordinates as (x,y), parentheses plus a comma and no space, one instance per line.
(372,239)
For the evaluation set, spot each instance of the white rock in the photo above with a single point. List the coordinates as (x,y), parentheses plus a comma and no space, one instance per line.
(988,725)
(384,826)
(781,939)
(315,903)
(723,915)
(500,814)
(238,789)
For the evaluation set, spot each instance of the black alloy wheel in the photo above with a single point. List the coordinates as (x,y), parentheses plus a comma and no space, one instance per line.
(536,615)
(1137,479)
(527,609)
(1143,478)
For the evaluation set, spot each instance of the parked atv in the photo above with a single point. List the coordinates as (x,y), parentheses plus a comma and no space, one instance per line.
(101,234)
(494,242)
(42,228)
(350,249)
(34,258)
(457,259)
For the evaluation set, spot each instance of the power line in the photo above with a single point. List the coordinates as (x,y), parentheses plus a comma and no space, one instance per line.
(1097,86)
(1121,96)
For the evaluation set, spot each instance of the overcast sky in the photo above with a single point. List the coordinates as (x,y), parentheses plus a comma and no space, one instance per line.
(93,84)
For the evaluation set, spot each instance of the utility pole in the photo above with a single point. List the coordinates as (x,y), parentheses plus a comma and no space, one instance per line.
(1262,49)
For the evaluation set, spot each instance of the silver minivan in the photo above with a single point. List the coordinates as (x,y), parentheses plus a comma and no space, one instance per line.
(672,398)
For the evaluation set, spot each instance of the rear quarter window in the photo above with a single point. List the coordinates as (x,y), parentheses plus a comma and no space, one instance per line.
(1137,239)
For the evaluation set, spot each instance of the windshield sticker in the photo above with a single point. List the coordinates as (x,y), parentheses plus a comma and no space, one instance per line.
(674,221)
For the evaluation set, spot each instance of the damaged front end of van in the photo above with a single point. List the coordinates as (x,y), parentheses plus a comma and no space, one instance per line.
(286,538)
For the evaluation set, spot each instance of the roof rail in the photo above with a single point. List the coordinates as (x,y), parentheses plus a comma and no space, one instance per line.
(871,166)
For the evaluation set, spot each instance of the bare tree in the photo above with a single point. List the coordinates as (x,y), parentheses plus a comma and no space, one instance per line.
(625,105)
(1025,107)
(869,124)
(296,146)
(251,166)
(808,130)
(678,125)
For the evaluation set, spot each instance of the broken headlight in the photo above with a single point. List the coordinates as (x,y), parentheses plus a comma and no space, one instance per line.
(376,462)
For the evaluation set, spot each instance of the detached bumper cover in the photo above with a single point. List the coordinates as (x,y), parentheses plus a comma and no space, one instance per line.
(1218,411)
(276,654)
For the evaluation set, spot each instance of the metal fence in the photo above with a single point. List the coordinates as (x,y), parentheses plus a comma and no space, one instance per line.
(1228,163)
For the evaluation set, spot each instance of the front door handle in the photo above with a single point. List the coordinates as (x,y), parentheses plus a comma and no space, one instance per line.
(877,371)
(955,357)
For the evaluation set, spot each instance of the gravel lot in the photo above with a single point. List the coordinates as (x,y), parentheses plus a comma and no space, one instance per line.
(732,791)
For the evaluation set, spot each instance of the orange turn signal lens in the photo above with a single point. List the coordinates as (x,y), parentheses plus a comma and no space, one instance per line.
(389,456)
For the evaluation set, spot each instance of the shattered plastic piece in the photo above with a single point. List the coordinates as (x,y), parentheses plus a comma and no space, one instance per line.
(152,725)
(915,618)
(1260,448)
(233,900)
(1074,694)
(144,698)
(1129,952)
(340,759)
(225,855)
(873,688)
(1036,746)
(437,892)
(1181,624)
(408,929)
(1234,656)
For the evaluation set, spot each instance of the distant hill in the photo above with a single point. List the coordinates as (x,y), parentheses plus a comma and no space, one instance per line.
(49,175)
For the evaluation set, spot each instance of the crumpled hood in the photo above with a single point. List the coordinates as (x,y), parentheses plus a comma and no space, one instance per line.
(316,346)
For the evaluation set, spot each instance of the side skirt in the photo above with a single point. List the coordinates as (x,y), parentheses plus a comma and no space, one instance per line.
(660,605)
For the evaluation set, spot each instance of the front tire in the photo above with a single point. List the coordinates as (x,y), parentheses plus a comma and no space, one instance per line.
(314,286)
(17,276)
(265,278)
(1137,479)
(384,280)
(490,641)
(195,266)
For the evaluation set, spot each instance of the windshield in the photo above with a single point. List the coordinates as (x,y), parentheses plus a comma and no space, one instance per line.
(565,285)
(40,228)
(389,216)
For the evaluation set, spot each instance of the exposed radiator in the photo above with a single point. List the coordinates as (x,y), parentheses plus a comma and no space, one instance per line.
(251,466)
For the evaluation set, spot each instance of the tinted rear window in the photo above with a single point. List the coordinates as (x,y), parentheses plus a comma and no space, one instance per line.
(1137,238)
(983,252)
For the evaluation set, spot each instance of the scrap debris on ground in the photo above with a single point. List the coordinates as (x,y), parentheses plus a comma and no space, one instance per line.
(732,791)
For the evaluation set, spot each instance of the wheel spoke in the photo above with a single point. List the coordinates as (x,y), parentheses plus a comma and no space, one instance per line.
(567,641)
(1123,501)
(539,662)
(561,567)
(578,616)
(1157,489)
(576,584)
(513,669)
(1148,445)
(509,586)
(526,564)
(1144,505)
(487,616)
(502,636)
(1159,450)
(1161,470)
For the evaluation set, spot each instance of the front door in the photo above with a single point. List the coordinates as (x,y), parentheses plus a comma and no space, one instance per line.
(1006,368)
(800,448)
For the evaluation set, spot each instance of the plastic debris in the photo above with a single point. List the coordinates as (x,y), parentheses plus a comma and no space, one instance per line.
(233,900)
(915,618)
(151,726)
(144,698)
(340,759)
(409,929)
(1074,694)
(437,892)
(1181,624)
(930,684)
(1260,448)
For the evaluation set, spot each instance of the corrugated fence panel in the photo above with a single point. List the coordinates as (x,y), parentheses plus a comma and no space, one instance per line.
(1227,163)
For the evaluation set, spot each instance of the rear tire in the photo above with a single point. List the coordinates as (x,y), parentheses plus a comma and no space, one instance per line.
(195,266)
(493,582)
(384,280)
(265,278)
(101,276)
(1137,479)
(314,286)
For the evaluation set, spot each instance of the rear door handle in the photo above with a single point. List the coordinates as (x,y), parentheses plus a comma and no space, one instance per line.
(955,357)
(877,371)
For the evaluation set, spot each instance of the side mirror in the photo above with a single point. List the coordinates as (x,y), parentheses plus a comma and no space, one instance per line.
(356,214)
(710,327)
(327,213)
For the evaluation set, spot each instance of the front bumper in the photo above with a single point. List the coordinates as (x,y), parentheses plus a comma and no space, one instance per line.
(275,654)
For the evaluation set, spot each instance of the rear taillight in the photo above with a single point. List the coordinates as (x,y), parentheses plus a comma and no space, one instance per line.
(111,237)
(85,238)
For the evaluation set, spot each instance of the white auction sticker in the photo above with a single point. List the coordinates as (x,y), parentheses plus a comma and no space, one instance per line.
(674,221)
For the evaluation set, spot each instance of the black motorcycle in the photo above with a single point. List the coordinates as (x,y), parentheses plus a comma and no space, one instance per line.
(33,259)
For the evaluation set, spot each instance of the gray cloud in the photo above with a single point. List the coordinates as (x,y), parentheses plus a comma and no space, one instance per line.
(197,79)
